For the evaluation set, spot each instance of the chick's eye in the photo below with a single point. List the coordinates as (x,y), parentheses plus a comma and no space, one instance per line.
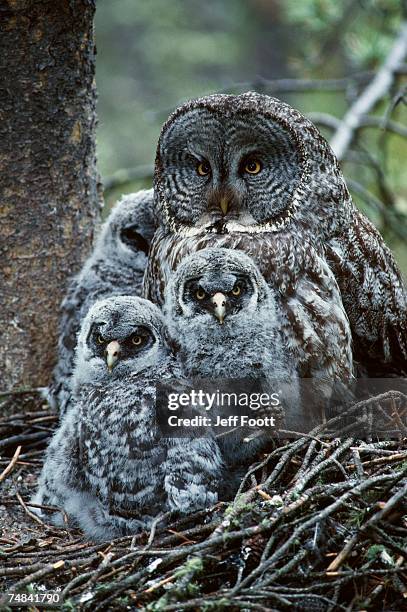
(203,168)
(137,340)
(100,339)
(200,294)
(252,166)
(237,290)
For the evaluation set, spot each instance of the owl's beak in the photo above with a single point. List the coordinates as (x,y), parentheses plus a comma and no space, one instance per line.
(224,204)
(219,302)
(112,354)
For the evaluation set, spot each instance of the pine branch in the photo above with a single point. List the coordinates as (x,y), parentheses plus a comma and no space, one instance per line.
(374,92)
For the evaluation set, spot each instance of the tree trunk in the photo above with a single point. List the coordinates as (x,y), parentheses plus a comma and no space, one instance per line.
(50,196)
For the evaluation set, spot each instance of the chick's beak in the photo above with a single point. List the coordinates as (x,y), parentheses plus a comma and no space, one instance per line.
(112,354)
(219,302)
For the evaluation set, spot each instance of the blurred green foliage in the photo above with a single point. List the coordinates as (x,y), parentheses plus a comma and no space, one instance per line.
(361,30)
(154,54)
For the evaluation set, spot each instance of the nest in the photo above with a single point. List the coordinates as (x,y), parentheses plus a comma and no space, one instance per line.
(318,523)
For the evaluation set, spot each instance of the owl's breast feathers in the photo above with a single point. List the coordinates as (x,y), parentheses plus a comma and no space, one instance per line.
(120,442)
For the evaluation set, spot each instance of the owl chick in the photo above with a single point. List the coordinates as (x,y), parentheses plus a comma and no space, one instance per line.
(227,323)
(107,466)
(116,266)
(251,172)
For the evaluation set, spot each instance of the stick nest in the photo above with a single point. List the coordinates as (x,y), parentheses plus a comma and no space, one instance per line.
(317,524)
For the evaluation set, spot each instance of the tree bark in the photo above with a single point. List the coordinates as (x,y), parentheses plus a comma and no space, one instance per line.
(49,187)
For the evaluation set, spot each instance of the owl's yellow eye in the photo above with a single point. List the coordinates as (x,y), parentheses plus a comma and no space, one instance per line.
(253,166)
(100,339)
(137,340)
(203,168)
(200,294)
(237,290)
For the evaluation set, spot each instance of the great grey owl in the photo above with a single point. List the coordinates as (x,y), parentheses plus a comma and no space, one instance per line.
(107,466)
(250,172)
(115,266)
(229,323)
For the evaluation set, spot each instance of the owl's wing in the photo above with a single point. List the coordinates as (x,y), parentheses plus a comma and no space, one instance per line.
(64,484)
(315,326)
(193,473)
(135,473)
(374,297)
(62,480)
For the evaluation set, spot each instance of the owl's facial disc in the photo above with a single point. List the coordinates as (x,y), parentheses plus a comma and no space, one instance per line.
(221,167)
(219,294)
(114,346)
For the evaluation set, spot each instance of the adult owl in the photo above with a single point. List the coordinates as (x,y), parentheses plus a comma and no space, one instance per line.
(107,466)
(229,324)
(250,172)
(115,266)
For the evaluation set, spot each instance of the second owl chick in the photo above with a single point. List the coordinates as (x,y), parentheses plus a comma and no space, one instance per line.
(107,466)
(226,321)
